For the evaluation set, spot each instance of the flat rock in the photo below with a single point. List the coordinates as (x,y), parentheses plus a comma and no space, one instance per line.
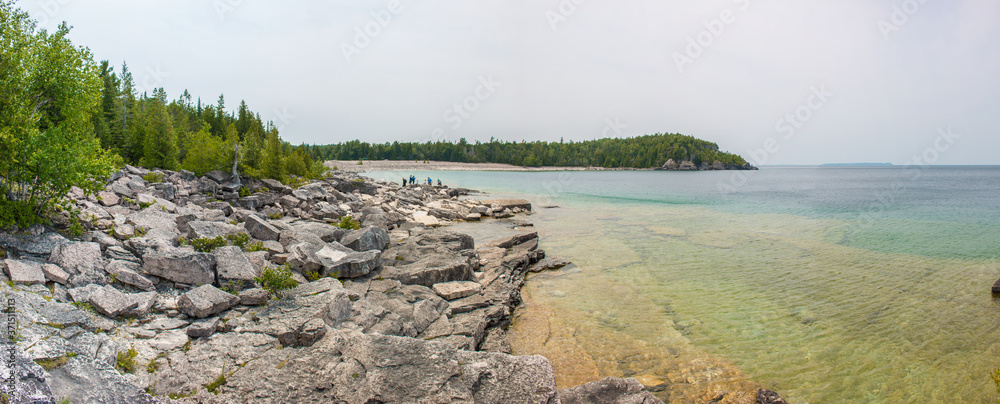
(203,328)
(254,297)
(205,301)
(111,302)
(260,229)
(55,274)
(149,219)
(165,323)
(127,272)
(353,265)
(169,340)
(369,238)
(40,244)
(25,272)
(181,265)
(82,260)
(457,289)
(508,203)
(302,316)
(432,269)
(108,198)
(233,268)
(611,390)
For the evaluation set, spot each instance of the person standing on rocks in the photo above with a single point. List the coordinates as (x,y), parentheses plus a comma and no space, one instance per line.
(439,182)
(404,181)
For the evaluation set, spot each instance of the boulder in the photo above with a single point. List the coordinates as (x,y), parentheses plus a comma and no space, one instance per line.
(197,229)
(205,301)
(508,203)
(353,265)
(457,289)
(108,198)
(254,297)
(25,272)
(432,269)
(128,272)
(301,317)
(150,219)
(610,390)
(514,240)
(203,328)
(143,303)
(111,302)
(55,274)
(34,244)
(82,260)
(324,231)
(181,265)
(218,176)
(369,238)
(233,268)
(88,380)
(260,229)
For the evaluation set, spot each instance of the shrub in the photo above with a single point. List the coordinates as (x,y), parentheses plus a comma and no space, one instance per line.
(17,213)
(258,246)
(240,240)
(348,223)
(153,177)
(312,276)
(206,245)
(244,192)
(126,361)
(276,279)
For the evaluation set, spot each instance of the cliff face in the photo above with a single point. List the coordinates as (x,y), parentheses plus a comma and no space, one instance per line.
(672,165)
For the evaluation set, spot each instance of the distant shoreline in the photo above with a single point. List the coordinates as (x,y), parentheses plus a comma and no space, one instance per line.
(405,165)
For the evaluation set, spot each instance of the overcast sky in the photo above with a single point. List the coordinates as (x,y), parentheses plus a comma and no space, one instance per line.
(778,82)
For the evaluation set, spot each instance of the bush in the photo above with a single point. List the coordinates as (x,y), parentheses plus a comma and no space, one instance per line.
(258,246)
(240,240)
(276,279)
(348,223)
(126,361)
(17,213)
(206,245)
(153,177)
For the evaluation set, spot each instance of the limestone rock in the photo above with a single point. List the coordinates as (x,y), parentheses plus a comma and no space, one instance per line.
(260,229)
(457,289)
(205,301)
(432,269)
(233,267)
(181,265)
(254,297)
(611,390)
(203,328)
(369,238)
(508,203)
(55,274)
(127,272)
(110,301)
(25,272)
(82,260)
(197,229)
(292,320)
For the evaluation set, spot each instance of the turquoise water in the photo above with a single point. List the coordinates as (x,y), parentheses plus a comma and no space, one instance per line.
(827,284)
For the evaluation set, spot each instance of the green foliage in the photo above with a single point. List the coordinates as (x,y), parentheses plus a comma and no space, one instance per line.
(177,396)
(274,216)
(258,246)
(206,245)
(312,276)
(152,367)
(153,177)
(17,213)
(219,382)
(276,279)
(85,306)
(240,239)
(65,401)
(54,363)
(244,192)
(996,380)
(49,89)
(183,241)
(186,347)
(204,152)
(231,287)
(348,223)
(126,361)
(144,205)
(637,152)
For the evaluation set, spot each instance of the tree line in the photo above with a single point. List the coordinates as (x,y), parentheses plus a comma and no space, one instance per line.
(67,121)
(646,151)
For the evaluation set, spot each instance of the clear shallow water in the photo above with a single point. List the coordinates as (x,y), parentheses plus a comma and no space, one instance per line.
(827,284)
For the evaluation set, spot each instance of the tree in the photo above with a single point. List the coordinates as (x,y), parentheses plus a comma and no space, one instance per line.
(273,165)
(48,91)
(204,152)
(160,146)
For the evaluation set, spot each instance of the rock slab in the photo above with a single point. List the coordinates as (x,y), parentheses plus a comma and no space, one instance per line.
(205,301)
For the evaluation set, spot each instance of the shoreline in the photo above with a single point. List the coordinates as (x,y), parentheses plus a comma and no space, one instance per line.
(406,165)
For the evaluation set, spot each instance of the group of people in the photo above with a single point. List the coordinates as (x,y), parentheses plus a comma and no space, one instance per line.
(413,180)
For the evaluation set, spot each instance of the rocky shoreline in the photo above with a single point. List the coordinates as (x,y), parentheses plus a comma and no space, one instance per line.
(398,310)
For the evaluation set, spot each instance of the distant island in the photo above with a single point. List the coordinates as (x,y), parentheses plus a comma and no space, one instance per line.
(658,152)
(855,165)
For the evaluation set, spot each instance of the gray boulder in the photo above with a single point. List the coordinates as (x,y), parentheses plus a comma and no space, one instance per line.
(301,317)
(34,244)
(260,229)
(197,229)
(111,302)
(24,272)
(55,274)
(233,267)
(432,269)
(457,289)
(128,272)
(324,231)
(352,265)
(150,219)
(610,390)
(181,265)
(203,328)
(82,260)
(254,297)
(205,301)
(369,238)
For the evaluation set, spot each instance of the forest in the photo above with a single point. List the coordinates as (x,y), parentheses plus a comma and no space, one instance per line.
(68,121)
(647,151)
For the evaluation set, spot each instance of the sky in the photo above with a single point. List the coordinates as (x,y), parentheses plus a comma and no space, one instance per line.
(778,82)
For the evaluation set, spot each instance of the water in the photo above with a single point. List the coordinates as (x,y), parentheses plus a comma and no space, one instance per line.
(827,284)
